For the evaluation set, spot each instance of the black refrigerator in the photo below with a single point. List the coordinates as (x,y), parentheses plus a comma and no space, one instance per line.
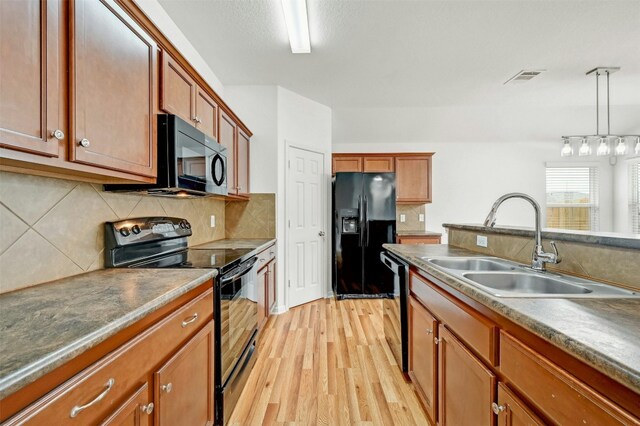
(364,218)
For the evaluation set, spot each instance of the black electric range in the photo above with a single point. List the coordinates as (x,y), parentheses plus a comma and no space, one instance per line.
(161,242)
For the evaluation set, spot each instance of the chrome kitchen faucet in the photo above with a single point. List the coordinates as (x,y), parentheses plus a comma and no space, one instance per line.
(540,258)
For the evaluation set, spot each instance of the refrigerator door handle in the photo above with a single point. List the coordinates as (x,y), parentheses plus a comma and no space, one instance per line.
(366,221)
(360,230)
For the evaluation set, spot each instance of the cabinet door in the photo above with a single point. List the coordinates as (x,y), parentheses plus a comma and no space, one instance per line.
(227,138)
(423,329)
(243,163)
(113,89)
(378,164)
(346,164)
(32,83)
(412,239)
(413,179)
(466,387)
(512,411)
(261,284)
(206,113)
(178,90)
(135,411)
(271,290)
(184,385)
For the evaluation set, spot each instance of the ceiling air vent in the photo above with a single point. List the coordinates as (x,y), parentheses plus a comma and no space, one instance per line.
(524,75)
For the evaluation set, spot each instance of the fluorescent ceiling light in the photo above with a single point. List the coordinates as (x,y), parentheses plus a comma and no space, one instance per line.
(295,14)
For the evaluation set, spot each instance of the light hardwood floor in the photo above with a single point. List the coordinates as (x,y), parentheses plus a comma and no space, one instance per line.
(327,362)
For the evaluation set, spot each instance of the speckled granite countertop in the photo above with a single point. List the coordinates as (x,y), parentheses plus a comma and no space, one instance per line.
(604,333)
(45,326)
(258,244)
(420,233)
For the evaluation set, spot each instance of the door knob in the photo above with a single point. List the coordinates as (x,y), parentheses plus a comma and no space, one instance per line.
(321,233)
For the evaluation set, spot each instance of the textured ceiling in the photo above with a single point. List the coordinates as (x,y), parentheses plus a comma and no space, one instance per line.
(422,53)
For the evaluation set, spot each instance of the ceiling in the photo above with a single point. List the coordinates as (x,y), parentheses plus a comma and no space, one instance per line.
(418,54)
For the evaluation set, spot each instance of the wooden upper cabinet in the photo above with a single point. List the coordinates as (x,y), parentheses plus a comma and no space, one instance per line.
(423,329)
(135,411)
(206,113)
(413,179)
(378,164)
(177,90)
(32,86)
(466,387)
(113,89)
(346,164)
(512,411)
(184,385)
(242,153)
(227,138)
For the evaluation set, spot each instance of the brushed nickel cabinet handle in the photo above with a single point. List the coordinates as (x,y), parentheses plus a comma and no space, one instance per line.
(429,331)
(497,408)
(190,320)
(58,134)
(167,388)
(436,340)
(84,142)
(79,408)
(147,409)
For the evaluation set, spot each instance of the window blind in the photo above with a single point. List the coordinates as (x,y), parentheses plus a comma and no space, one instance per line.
(572,198)
(634,198)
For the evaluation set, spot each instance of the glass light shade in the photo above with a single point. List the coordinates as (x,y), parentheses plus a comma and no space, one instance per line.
(567,149)
(621,147)
(603,147)
(585,148)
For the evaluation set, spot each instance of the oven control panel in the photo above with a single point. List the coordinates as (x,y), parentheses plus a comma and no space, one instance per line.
(145,229)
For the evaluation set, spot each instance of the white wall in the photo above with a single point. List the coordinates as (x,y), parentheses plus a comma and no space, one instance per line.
(165,24)
(278,117)
(307,124)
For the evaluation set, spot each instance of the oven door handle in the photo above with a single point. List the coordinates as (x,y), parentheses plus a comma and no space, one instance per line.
(244,271)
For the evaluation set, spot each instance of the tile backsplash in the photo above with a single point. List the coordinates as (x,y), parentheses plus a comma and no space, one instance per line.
(53,228)
(253,219)
(412,214)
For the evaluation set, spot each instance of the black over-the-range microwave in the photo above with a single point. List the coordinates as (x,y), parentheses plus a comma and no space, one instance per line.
(190,163)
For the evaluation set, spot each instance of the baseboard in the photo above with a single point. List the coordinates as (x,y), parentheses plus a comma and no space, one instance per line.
(280,309)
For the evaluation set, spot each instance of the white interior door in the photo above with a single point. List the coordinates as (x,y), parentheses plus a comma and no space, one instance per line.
(306,199)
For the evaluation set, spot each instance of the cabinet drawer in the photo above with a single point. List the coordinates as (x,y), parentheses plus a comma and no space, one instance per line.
(558,395)
(266,256)
(477,331)
(120,373)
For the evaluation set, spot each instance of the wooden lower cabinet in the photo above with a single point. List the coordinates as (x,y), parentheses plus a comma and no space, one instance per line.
(262,284)
(271,288)
(512,411)
(417,239)
(184,385)
(423,362)
(114,389)
(466,387)
(136,411)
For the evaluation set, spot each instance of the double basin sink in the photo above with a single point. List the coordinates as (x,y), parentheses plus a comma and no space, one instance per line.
(509,279)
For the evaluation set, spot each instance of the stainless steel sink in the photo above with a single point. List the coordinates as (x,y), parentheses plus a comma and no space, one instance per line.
(504,278)
(525,283)
(472,264)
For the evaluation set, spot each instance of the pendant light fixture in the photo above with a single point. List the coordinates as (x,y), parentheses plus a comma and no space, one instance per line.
(604,140)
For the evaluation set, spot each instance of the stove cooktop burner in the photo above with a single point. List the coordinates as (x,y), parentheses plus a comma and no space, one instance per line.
(197,258)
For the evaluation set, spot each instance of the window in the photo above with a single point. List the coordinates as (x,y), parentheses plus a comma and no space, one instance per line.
(572,198)
(634,198)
